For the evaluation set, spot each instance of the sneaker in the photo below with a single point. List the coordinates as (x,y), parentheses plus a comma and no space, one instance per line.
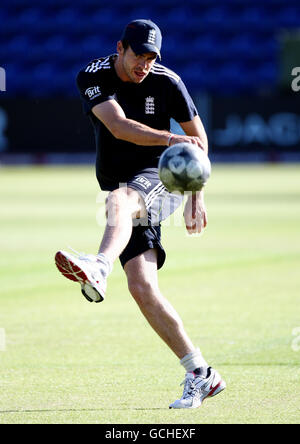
(86,270)
(198,388)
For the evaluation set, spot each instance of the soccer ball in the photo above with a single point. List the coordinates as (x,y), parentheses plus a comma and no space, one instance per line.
(184,167)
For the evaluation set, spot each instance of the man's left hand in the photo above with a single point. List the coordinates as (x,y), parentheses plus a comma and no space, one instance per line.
(195,214)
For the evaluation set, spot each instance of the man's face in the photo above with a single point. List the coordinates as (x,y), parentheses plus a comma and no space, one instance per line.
(135,67)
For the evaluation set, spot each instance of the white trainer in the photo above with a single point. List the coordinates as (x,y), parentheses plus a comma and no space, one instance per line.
(85,269)
(197,388)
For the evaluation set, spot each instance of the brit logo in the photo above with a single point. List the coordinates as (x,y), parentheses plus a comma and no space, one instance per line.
(93,92)
(152,36)
(143,181)
(149,105)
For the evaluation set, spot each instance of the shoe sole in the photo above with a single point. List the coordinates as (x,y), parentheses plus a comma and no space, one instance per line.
(72,271)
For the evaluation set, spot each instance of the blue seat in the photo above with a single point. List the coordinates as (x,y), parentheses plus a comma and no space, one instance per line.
(209,47)
(177,49)
(67,16)
(178,17)
(93,47)
(198,77)
(15,48)
(267,75)
(234,76)
(57,46)
(257,19)
(218,18)
(246,47)
(41,80)
(29,19)
(105,19)
(138,12)
(288,17)
(16,83)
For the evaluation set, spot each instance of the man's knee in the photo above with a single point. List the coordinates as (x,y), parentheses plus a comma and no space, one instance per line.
(143,290)
(123,199)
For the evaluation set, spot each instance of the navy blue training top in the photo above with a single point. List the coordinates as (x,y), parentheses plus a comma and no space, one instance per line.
(159,97)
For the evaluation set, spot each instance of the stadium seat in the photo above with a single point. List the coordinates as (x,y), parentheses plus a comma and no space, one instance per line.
(288,17)
(256,19)
(95,46)
(217,18)
(200,38)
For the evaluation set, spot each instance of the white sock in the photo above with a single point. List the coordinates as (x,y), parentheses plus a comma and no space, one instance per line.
(194,360)
(108,266)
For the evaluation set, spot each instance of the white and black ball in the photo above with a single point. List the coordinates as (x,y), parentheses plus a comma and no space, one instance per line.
(184,167)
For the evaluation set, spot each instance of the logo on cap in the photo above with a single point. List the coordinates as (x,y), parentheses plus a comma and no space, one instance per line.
(152,36)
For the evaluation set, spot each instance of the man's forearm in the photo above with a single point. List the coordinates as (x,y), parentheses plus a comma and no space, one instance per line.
(113,117)
(195,128)
(139,134)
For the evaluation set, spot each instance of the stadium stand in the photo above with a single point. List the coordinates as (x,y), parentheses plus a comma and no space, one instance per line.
(217,46)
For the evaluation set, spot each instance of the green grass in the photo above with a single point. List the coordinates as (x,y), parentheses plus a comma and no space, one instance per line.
(236,288)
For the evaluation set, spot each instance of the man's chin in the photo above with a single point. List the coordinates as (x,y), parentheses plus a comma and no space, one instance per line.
(138,78)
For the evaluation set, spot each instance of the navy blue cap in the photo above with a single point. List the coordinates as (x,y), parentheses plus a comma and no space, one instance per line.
(143,36)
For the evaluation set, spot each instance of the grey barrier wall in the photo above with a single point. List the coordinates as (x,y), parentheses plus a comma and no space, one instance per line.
(239,128)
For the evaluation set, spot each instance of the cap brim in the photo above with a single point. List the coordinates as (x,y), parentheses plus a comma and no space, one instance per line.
(144,48)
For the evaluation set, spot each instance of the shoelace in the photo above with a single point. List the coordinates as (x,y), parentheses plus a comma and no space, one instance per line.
(80,255)
(83,256)
(97,273)
(189,388)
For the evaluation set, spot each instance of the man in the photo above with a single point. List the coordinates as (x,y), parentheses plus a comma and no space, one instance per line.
(130,99)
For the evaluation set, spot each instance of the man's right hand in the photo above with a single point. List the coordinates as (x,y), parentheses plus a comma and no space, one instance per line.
(176,138)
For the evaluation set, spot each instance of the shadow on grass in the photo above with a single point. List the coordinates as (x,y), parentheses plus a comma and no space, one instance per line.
(79,410)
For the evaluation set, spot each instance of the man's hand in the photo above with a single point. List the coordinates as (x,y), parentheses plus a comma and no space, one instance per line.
(187,139)
(195,215)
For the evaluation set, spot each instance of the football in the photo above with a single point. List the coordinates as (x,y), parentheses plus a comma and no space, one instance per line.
(184,167)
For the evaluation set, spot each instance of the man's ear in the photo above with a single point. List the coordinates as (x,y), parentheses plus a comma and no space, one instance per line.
(120,48)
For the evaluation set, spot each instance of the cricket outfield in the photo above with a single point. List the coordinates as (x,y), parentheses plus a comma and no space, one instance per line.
(63,360)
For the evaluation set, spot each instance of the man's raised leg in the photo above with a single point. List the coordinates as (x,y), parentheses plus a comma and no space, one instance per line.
(122,205)
(91,271)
